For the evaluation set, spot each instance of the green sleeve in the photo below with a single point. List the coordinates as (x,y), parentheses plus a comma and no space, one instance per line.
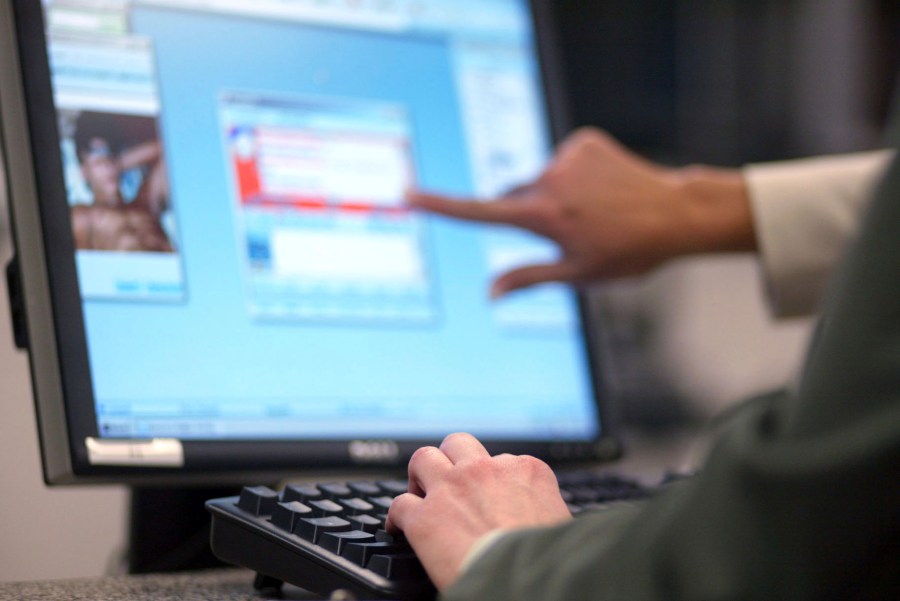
(799,499)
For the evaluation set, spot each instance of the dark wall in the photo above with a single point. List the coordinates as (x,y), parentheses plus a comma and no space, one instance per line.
(732,81)
(724,82)
(619,63)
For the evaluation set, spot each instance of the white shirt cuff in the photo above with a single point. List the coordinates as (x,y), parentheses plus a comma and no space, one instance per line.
(804,212)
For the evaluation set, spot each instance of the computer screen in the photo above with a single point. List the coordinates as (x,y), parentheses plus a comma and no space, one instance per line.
(220,242)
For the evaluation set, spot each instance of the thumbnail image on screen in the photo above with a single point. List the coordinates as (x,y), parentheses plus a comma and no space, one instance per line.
(121,165)
(122,217)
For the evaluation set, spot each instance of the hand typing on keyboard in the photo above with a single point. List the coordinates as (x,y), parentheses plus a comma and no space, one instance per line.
(328,536)
(458,493)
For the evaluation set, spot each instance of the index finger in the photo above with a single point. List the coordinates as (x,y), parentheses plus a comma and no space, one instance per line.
(460,446)
(503,210)
(427,466)
(399,510)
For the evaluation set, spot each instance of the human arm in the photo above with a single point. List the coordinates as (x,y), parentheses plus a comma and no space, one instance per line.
(82,227)
(777,513)
(447,496)
(153,195)
(615,214)
(140,155)
(612,213)
(798,499)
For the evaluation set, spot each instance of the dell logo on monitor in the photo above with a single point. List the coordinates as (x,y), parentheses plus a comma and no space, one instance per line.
(374,451)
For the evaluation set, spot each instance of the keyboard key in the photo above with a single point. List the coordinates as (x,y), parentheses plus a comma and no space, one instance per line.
(364,489)
(366,523)
(381,503)
(355,506)
(393,487)
(604,496)
(302,493)
(617,480)
(312,529)
(336,541)
(325,507)
(403,566)
(569,479)
(286,515)
(583,494)
(335,490)
(258,500)
(361,553)
(382,536)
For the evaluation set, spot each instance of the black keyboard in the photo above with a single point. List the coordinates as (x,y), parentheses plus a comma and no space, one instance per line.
(329,536)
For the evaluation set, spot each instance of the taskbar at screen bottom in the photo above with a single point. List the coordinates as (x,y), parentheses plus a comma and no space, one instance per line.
(298,428)
(541,417)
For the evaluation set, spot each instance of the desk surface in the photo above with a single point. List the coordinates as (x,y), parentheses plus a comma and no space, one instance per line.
(211,585)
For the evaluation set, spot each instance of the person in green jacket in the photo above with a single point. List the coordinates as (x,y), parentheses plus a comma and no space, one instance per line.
(800,496)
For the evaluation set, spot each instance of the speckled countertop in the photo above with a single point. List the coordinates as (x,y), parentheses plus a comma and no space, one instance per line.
(212,585)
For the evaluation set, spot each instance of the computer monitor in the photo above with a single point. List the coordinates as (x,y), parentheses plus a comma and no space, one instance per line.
(216,276)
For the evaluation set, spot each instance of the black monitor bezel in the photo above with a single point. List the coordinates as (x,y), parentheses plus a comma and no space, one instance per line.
(204,461)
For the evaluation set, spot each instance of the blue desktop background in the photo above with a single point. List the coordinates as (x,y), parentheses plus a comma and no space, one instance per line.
(188,358)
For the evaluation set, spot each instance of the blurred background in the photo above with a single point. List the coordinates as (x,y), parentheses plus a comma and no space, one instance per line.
(723,82)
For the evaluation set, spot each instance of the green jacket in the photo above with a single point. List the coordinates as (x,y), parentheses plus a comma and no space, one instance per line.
(799,499)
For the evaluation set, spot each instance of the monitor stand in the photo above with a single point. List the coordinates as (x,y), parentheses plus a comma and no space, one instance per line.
(169,529)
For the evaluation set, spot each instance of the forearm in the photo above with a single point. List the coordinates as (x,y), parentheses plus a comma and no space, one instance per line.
(714,212)
(545,563)
(766,519)
(799,498)
(141,154)
(797,215)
